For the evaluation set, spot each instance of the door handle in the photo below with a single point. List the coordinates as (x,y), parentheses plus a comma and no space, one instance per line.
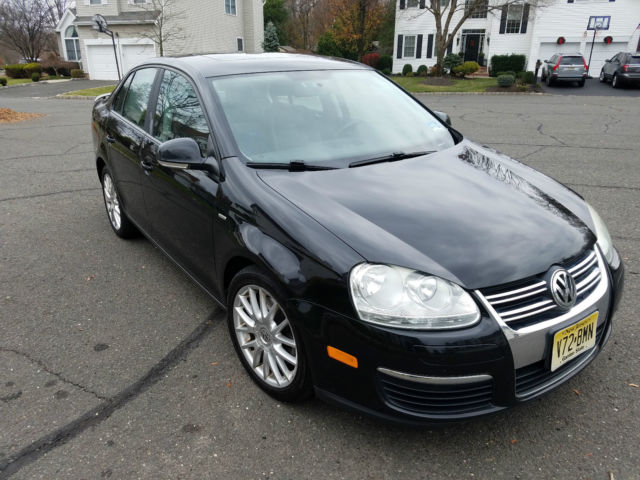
(110,139)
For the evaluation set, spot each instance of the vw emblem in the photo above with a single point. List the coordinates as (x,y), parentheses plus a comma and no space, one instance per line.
(563,288)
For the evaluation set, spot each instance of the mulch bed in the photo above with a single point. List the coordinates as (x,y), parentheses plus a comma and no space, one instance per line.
(515,88)
(11,116)
(438,81)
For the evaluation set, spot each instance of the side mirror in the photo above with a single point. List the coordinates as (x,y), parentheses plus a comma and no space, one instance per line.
(444,117)
(608,60)
(546,61)
(182,153)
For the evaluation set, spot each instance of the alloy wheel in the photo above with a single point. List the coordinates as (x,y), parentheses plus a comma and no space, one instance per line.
(265,336)
(111,201)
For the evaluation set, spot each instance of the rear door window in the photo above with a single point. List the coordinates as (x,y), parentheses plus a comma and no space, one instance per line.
(572,61)
(135,104)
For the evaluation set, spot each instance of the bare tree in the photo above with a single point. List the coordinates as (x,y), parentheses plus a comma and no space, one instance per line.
(56,10)
(26,26)
(302,16)
(449,16)
(165,28)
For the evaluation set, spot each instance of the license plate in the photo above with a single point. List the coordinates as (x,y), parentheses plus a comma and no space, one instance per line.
(573,340)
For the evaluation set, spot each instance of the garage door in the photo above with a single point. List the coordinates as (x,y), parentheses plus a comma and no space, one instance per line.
(101,62)
(602,52)
(549,49)
(132,55)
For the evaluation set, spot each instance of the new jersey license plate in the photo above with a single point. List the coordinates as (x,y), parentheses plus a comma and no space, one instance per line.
(573,340)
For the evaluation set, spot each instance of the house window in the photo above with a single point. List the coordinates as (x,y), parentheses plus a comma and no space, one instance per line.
(72,44)
(409,49)
(95,2)
(480,9)
(514,18)
(444,3)
(240,43)
(412,3)
(230,7)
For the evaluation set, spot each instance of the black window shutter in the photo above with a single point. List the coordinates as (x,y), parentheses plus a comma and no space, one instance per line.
(503,19)
(450,48)
(419,46)
(422,4)
(402,3)
(525,18)
(399,46)
(430,45)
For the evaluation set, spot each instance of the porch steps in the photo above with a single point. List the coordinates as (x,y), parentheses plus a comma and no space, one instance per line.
(480,73)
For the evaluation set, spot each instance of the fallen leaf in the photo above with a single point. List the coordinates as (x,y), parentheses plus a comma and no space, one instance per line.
(634,385)
(90,277)
(143,267)
(214,363)
(611,476)
(229,384)
(589,454)
(513,441)
(576,391)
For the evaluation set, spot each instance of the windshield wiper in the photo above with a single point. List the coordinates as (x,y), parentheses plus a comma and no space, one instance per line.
(292,166)
(389,158)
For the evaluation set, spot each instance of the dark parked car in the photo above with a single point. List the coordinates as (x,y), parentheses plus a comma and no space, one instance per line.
(363,248)
(565,67)
(622,69)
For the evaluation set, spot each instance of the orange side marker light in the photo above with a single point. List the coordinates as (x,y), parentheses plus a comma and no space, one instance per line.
(342,357)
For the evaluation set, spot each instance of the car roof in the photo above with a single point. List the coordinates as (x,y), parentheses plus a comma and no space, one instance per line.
(220,64)
(569,54)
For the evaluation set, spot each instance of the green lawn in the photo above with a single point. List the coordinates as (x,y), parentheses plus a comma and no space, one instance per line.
(16,81)
(92,92)
(415,85)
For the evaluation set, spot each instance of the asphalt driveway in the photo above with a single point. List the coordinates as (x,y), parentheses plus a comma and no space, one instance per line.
(592,88)
(114,365)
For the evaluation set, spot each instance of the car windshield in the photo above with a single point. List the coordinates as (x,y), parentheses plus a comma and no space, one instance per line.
(328,117)
(572,61)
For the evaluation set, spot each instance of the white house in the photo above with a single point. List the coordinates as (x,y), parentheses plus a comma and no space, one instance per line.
(538,33)
(206,26)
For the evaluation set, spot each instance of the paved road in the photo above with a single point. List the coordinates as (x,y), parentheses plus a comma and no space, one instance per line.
(114,365)
(592,88)
(35,90)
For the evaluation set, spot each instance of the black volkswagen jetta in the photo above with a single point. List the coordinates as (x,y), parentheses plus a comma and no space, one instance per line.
(363,248)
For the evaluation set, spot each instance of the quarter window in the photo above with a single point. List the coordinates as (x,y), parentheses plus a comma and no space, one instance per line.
(230,7)
(409,46)
(179,113)
(137,99)
(122,93)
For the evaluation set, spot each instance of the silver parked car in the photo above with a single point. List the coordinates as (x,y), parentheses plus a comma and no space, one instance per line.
(565,67)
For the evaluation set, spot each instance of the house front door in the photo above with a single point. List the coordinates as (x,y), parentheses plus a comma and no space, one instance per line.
(471,47)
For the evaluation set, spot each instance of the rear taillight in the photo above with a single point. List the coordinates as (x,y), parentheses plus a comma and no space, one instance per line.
(557,64)
(586,67)
(625,68)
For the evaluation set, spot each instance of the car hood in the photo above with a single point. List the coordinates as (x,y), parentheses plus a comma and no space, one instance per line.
(468,214)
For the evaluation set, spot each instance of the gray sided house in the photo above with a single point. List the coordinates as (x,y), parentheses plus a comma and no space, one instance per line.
(192,27)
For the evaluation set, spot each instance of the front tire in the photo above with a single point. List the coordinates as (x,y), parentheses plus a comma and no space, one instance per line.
(602,78)
(549,81)
(118,220)
(615,82)
(265,336)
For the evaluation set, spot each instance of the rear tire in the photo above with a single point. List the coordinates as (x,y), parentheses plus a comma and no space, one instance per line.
(265,336)
(549,81)
(581,83)
(118,220)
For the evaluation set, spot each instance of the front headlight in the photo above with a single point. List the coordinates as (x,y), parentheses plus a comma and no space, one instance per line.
(602,233)
(399,297)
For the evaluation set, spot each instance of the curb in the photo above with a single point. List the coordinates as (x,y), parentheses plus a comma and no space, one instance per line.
(479,93)
(63,96)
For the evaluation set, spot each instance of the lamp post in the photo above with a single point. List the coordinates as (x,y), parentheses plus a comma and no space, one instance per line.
(100,24)
(596,27)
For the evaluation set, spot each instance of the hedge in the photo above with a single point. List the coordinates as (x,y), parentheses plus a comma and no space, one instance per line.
(3,81)
(35,77)
(371,59)
(506,80)
(77,73)
(407,69)
(507,63)
(467,68)
(385,62)
(22,70)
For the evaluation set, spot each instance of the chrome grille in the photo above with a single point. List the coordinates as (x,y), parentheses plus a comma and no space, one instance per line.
(530,302)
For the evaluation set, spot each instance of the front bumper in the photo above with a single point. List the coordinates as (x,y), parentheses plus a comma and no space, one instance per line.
(431,377)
